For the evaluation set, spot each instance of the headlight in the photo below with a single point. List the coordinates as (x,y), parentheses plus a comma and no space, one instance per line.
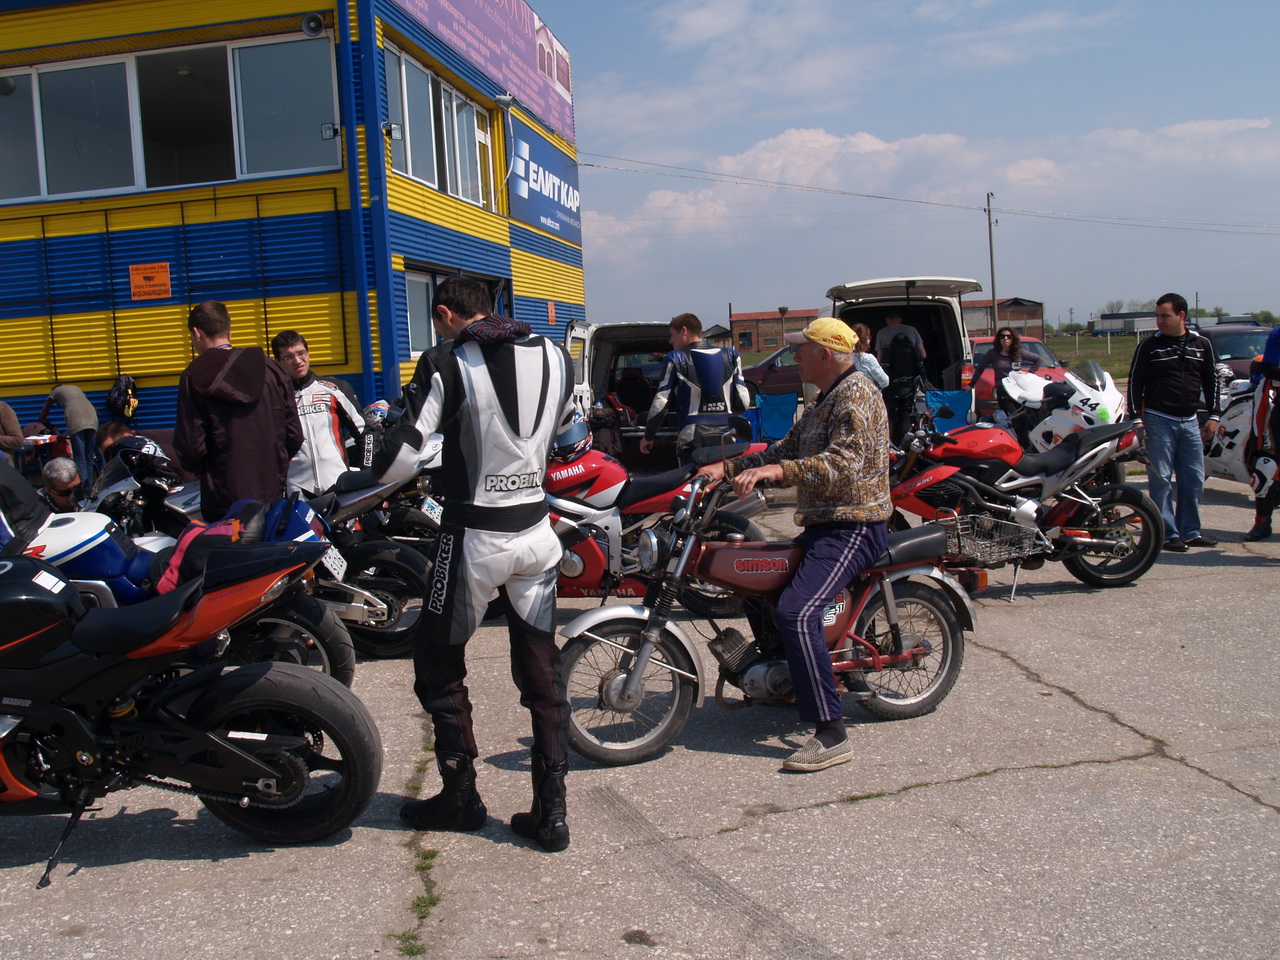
(648,551)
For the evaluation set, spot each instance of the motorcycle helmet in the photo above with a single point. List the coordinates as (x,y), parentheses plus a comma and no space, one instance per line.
(376,412)
(572,442)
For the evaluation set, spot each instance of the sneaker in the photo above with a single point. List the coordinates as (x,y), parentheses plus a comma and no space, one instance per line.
(1175,545)
(1202,541)
(814,756)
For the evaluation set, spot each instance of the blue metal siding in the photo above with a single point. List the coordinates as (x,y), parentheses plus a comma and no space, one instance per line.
(544,246)
(534,312)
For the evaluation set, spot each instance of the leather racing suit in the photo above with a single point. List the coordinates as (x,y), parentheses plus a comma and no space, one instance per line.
(325,412)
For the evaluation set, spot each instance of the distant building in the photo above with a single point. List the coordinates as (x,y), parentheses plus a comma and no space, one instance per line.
(763,331)
(1025,316)
(720,335)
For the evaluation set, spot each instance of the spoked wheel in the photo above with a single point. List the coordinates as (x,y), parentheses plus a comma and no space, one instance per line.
(704,599)
(926,619)
(603,728)
(322,785)
(1134,532)
(299,630)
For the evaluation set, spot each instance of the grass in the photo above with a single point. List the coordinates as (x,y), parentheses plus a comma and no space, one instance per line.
(1077,350)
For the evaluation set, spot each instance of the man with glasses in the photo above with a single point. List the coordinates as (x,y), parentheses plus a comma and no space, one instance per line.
(327,413)
(62,486)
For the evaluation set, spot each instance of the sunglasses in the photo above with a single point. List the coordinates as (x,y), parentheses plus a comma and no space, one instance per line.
(73,492)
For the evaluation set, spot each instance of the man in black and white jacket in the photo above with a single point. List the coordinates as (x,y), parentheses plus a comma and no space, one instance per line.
(1169,374)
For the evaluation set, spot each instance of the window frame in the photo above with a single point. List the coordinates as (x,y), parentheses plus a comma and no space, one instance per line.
(446,145)
(133,104)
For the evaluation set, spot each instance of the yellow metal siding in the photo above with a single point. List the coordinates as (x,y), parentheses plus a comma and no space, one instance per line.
(152,341)
(81,339)
(102,29)
(426,203)
(24,344)
(538,277)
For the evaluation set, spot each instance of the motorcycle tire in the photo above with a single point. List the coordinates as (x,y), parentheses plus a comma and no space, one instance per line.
(1127,516)
(708,600)
(298,629)
(397,575)
(924,612)
(610,735)
(324,786)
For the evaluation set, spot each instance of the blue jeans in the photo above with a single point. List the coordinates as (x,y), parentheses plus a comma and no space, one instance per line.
(1175,452)
(84,453)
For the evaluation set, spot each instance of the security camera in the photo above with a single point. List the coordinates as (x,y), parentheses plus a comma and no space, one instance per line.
(312,24)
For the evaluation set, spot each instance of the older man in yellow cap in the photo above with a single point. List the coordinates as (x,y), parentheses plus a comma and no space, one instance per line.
(837,458)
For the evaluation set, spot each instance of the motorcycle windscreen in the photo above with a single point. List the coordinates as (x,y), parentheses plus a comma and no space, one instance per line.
(758,569)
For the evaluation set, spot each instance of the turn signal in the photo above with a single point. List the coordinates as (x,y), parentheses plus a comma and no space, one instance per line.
(276,589)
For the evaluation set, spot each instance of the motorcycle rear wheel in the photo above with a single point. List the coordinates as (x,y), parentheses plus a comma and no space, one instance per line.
(610,735)
(397,575)
(1125,516)
(924,612)
(708,600)
(324,786)
(299,630)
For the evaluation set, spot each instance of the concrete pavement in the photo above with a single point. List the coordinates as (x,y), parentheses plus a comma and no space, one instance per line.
(1101,783)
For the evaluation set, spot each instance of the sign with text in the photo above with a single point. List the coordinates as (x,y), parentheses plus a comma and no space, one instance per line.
(149,281)
(543,187)
(510,43)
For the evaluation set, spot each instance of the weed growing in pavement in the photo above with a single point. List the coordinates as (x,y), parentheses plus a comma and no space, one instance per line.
(409,943)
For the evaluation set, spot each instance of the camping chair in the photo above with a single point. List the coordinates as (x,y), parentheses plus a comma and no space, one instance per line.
(777,414)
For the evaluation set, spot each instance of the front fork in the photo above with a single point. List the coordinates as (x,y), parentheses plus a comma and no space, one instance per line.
(660,608)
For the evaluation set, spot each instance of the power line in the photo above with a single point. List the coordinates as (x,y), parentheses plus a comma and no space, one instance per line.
(649,168)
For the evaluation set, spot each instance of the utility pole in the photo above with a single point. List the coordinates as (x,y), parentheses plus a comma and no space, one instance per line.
(991,251)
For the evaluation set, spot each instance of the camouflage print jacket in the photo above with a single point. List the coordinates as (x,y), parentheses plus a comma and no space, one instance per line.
(837,456)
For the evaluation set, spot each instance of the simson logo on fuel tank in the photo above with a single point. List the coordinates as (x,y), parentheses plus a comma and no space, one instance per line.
(761,565)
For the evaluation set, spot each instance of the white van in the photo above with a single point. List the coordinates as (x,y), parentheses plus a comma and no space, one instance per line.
(930,304)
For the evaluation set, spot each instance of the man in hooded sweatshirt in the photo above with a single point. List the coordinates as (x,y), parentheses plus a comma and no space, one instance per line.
(237,426)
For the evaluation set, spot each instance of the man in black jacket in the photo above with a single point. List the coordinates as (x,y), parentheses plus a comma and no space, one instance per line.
(237,426)
(1169,373)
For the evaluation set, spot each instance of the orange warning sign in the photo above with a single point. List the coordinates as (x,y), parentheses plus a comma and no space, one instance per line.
(149,281)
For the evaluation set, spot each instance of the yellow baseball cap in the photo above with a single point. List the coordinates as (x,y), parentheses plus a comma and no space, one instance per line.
(826,332)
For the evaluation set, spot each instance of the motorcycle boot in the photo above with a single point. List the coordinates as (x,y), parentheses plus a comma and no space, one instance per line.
(1261,528)
(545,822)
(457,807)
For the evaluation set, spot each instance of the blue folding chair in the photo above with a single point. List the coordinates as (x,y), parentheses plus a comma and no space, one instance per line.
(777,414)
(958,400)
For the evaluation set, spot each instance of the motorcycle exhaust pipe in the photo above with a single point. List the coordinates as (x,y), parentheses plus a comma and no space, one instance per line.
(747,507)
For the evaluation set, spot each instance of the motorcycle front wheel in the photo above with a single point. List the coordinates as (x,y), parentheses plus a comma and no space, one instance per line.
(397,575)
(322,786)
(1130,522)
(298,629)
(596,666)
(708,600)
(926,617)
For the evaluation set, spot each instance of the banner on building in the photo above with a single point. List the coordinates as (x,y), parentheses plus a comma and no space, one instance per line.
(543,187)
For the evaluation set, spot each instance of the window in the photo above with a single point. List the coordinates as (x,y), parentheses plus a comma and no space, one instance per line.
(446,136)
(421,334)
(166,119)
(19,159)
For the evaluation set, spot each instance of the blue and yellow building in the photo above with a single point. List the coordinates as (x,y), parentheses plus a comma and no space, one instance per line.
(315,168)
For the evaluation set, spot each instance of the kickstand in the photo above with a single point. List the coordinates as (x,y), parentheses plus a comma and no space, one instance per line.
(76,814)
(1017,572)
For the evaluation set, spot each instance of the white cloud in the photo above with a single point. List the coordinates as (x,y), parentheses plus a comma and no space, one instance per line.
(1213,129)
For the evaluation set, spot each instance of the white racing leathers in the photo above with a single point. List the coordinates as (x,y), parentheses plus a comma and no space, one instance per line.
(498,407)
(325,411)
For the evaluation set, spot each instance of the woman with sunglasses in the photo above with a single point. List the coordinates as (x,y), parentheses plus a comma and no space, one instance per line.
(1006,354)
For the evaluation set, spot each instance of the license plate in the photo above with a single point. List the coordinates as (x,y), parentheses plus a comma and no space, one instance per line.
(335,562)
(433,510)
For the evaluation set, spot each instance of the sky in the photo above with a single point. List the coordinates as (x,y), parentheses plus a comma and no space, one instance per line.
(751,154)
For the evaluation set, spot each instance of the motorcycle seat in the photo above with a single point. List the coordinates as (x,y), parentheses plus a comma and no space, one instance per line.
(927,542)
(121,629)
(354,480)
(642,488)
(1056,459)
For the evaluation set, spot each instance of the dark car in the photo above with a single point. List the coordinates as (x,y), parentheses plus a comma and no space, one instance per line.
(1236,344)
(776,373)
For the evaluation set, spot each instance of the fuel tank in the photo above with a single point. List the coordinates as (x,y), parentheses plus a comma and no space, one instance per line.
(980,441)
(594,478)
